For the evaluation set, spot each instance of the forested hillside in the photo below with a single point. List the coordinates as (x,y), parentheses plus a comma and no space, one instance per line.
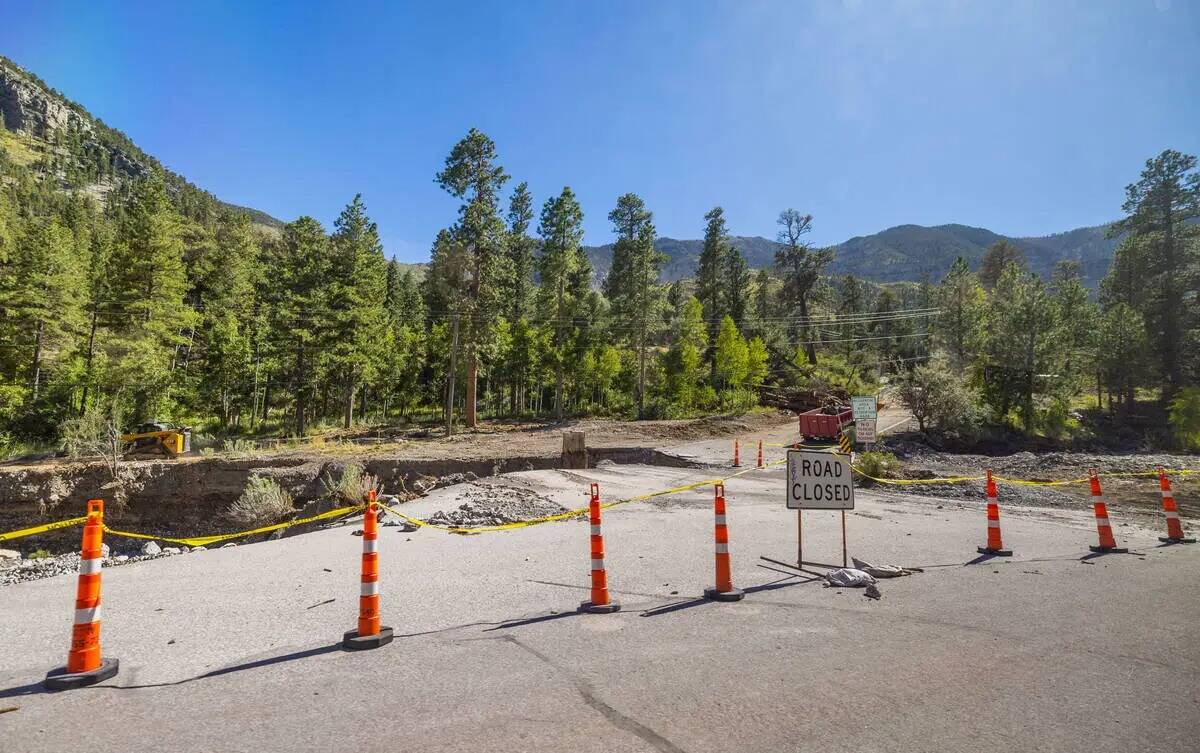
(127,292)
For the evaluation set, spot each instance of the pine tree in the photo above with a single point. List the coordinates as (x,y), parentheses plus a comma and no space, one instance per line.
(520,248)
(998,256)
(632,284)
(148,284)
(709,288)
(301,323)
(471,174)
(1161,212)
(801,268)
(355,295)
(736,285)
(561,228)
(963,306)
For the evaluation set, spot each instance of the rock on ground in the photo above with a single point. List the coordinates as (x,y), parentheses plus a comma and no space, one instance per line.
(496,504)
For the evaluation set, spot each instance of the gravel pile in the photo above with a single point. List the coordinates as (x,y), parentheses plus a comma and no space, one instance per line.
(20,570)
(496,504)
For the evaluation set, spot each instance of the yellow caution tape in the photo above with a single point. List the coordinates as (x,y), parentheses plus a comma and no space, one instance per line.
(468,530)
(23,532)
(339,512)
(206,540)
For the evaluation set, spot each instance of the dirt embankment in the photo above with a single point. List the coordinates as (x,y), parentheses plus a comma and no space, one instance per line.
(1136,493)
(187,496)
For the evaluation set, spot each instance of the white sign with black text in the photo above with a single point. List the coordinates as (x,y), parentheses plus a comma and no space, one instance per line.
(864,431)
(819,481)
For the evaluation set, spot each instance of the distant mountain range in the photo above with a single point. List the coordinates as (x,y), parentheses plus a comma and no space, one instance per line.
(904,252)
(38,125)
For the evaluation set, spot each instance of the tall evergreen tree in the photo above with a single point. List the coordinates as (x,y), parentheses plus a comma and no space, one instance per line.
(471,174)
(632,284)
(801,268)
(709,288)
(355,294)
(561,228)
(1161,211)
(520,248)
(963,306)
(736,285)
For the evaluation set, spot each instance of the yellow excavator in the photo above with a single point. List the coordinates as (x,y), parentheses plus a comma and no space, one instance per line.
(156,440)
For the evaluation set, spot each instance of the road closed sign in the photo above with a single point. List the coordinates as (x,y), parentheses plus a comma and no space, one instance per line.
(819,481)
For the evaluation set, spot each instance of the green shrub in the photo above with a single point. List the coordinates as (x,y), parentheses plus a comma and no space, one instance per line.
(1184,417)
(263,502)
(878,464)
(39,554)
(352,486)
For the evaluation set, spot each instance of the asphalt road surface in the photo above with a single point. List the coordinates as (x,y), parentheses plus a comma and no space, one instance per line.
(238,649)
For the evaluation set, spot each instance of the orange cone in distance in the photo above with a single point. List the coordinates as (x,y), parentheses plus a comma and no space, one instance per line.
(370,633)
(85,666)
(760,465)
(737,461)
(724,590)
(1174,528)
(1108,544)
(995,546)
(600,603)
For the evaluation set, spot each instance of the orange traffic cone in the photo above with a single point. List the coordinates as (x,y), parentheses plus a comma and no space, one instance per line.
(600,602)
(760,465)
(737,460)
(995,546)
(724,590)
(85,665)
(1107,543)
(370,633)
(1174,528)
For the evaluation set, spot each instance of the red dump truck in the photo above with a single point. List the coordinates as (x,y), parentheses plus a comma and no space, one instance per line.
(824,423)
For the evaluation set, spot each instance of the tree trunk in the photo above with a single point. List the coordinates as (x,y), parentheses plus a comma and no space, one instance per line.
(37,358)
(472,387)
(450,378)
(810,348)
(90,354)
(348,407)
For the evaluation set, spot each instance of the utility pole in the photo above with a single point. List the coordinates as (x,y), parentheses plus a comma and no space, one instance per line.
(450,377)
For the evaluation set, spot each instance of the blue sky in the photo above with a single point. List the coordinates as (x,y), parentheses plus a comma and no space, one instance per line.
(1025,116)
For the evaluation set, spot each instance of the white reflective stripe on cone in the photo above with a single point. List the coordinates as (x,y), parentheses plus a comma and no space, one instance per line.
(84,616)
(993,524)
(1172,515)
(370,545)
(595,529)
(369,589)
(89,567)
(722,549)
(598,564)
(1165,492)
(720,520)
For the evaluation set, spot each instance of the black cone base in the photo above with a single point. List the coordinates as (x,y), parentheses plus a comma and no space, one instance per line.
(355,642)
(60,679)
(735,594)
(1109,549)
(994,552)
(608,608)
(1169,540)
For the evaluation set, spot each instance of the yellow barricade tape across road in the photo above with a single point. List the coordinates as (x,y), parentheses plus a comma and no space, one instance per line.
(23,532)
(341,511)
(576,512)
(217,538)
